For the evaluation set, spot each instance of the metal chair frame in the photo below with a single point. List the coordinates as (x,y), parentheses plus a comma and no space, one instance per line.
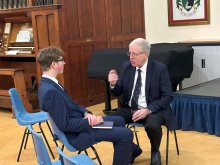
(134,125)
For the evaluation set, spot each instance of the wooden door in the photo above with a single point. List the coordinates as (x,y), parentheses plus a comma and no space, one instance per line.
(126,22)
(84,31)
(89,25)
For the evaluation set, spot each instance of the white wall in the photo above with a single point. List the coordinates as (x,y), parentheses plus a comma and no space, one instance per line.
(157,29)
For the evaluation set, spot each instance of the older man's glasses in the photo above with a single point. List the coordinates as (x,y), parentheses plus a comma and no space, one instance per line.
(133,54)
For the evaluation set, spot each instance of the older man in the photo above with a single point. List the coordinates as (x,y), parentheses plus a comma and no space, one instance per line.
(147,94)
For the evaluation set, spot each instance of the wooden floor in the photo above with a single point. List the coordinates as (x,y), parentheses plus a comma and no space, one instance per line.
(195,148)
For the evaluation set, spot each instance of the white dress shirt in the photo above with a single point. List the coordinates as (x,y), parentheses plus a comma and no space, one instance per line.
(53,79)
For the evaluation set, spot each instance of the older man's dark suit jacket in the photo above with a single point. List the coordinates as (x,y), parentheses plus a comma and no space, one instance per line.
(157,87)
(67,115)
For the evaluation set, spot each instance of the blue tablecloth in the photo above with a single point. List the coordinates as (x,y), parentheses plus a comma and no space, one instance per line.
(199,113)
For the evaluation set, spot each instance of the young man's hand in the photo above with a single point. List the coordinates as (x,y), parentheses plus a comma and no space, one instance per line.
(94,120)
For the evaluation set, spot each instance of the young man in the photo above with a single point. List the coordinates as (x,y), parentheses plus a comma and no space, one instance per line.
(74,120)
(147,94)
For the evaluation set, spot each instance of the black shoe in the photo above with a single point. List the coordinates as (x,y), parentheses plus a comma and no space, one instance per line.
(155,158)
(136,152)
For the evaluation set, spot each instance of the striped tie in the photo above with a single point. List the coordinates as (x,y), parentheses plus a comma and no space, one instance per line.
(136,93)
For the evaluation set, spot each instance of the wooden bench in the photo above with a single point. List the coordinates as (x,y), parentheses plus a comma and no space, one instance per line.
(19,83)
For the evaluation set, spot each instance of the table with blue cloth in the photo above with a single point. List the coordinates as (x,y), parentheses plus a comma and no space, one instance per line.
(198,108)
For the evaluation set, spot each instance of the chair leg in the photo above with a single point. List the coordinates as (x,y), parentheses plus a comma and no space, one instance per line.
(85,152)
(79,152)
(135,133)
(62,147)
(22,142)
(177,146)
(51,133)
(96,154)
(167,147)
(25,145)
(46,140)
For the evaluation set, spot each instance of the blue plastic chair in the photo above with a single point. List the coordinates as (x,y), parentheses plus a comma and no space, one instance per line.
(60,136)
(43,156)
(24,119)
(135,124)
(80,159)
(41,150)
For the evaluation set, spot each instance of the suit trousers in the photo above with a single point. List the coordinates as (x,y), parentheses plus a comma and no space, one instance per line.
(121,137)
(152,124)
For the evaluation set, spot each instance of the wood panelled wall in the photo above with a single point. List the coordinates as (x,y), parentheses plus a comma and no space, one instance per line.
(46,31)
(89,25)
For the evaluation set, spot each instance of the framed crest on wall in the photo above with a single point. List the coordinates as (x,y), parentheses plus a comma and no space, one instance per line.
(188,12)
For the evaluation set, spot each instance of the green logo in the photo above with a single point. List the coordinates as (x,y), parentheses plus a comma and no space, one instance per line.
(187,7)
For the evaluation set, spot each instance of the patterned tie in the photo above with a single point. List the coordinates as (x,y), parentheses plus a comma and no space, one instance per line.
(136,93)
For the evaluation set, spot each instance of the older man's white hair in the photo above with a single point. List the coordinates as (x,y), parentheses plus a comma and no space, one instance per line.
(142,43)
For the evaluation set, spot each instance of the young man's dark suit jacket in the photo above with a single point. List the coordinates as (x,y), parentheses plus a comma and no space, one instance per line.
(67,115)
(157,87)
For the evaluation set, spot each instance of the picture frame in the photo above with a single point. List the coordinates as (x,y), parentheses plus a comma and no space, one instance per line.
(188,12)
